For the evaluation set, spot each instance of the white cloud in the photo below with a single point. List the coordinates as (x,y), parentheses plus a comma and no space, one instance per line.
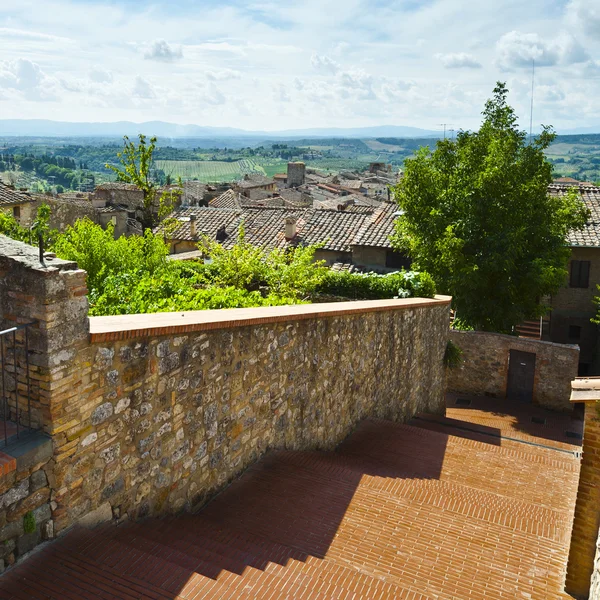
(281,93)
(516,49)
(143,89)
(324,64)
(213,95)
(223,75)
(161,51)
(21,74)
(98,75)
(585,16)
(461,60)
(363,67)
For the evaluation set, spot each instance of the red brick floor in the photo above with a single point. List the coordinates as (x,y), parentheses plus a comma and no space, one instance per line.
(475,506)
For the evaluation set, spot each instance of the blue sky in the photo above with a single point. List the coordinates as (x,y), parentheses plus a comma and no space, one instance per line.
(315,63)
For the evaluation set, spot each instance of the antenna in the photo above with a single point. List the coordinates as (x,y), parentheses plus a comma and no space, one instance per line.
(444,125)
(531,113)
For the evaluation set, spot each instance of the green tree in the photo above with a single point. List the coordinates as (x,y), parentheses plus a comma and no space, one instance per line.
(136,164)
(476,215)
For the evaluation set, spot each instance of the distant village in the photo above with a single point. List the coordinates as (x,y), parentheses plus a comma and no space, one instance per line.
(350,216)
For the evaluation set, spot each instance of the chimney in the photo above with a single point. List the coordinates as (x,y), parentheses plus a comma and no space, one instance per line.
(290,228)
(221,234)
(193,225)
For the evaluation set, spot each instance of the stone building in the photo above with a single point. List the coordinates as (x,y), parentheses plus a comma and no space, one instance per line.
(296,174)
(357,235)
(254,186)
(573,306)
(18,203)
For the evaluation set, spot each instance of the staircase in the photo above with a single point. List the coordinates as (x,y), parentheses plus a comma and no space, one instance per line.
(530,329)
(420,511)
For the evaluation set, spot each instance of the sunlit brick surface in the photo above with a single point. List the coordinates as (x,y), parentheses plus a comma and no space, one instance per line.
(419,511)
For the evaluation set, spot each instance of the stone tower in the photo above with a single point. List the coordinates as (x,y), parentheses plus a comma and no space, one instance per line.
(296,172)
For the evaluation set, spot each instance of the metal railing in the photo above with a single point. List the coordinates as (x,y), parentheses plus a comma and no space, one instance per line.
(15,398)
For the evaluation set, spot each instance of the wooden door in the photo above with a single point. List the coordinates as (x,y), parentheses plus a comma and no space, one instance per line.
(521,373)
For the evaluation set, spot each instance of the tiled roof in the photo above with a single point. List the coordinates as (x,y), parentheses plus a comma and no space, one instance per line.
(264,226)
(208,221)
(9,196)
(589,236)
(118,185)
(336,229)
(351,184)
(228,199)
(378,228)
(254,180)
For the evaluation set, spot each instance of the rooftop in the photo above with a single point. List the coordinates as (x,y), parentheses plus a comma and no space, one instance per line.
(589,236)
(427,510)
(9,196)
(337,230)
(254,180)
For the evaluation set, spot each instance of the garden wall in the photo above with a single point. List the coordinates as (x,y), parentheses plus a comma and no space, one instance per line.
(151,414)
(485,360)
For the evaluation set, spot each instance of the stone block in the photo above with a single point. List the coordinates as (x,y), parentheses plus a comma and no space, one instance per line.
(100,515)
(28,541)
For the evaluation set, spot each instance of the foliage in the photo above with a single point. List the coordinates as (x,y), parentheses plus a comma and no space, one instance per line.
(452,355)
(371,286)
(290,272)
(96,251)
(29,522)
(478,217)
(10,227)
(136,165)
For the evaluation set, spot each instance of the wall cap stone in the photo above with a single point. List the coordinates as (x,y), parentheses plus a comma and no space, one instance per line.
(122,327)
(585,389)
(521,340)
(29,257)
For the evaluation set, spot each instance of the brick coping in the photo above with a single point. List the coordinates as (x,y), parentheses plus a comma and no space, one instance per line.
(121,327)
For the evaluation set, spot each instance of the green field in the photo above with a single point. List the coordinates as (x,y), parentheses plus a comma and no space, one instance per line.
(209,171)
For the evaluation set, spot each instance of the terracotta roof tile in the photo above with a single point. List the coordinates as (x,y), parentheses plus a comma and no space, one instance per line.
(9,196)
(589,236)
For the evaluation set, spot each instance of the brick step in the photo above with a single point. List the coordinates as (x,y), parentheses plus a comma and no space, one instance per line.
(112,551)
(546,451)
(73,576)
(510,512)
(192,523)
(417,452)
(239,553)
(269,515)
(171,545)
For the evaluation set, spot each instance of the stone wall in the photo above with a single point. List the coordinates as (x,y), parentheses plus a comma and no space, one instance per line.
(484,370)
(150,414)
(575,307)
(54,297)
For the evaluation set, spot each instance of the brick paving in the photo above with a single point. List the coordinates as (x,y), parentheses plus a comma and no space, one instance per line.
(475,505)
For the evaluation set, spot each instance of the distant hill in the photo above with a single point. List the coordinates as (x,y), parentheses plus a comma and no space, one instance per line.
(45,128)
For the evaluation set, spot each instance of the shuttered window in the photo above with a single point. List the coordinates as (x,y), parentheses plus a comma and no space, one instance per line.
(580,274)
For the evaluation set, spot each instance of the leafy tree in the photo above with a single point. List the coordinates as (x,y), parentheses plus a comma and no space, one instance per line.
(136,166)
(477,216)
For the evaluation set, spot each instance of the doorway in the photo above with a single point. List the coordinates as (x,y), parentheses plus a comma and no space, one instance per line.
(521,373)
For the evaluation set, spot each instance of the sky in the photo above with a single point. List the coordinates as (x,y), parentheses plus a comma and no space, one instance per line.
(315,63)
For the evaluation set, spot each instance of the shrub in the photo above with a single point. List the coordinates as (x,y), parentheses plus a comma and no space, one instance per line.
(452,355)
(371,286)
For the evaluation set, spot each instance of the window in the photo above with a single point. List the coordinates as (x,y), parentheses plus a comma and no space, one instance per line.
(580,274)
(574,332)
(397,260)
(17,212)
